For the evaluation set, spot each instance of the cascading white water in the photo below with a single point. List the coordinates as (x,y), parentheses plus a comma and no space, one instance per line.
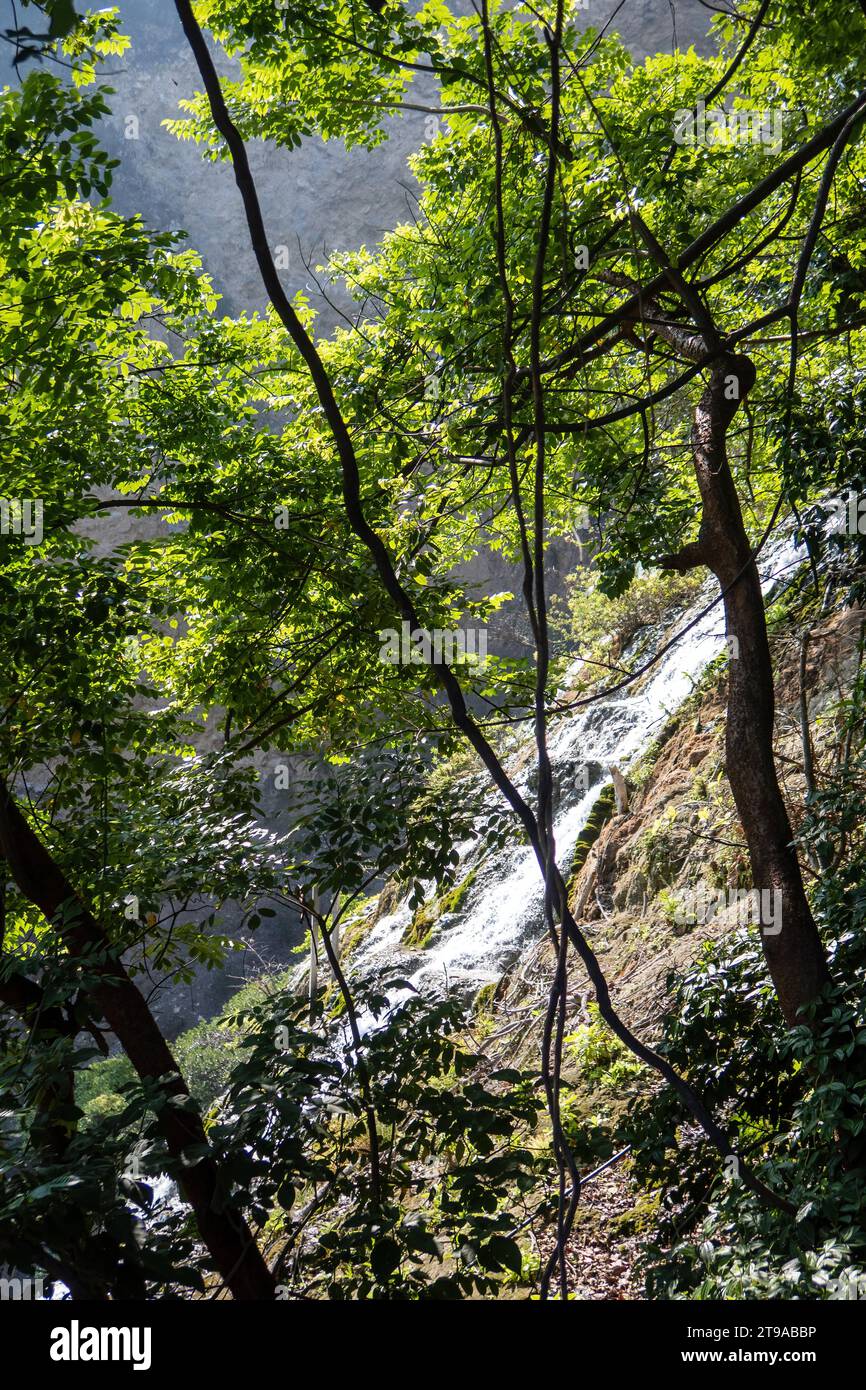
(502,912)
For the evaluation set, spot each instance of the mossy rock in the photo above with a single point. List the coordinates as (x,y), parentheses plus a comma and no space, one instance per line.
(357,928)
(485,998)
(600,814)
(420,930)
(333,1003)
(639,1220)
(387,902)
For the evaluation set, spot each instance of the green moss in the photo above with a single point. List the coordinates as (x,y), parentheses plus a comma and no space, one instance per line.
(602,1060)
(357,928)
(641,771)
(483,1002)
(419,931)
(417,934)
(484,1009)
(640,1219)
(602,1077)
(601,812)
(454,900)
(700,790)
(663,849)
(333,1002)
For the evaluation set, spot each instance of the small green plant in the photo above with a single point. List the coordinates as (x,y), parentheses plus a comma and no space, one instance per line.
(599,1055)
(432,1216)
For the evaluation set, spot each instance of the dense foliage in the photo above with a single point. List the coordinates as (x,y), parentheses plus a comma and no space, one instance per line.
(497,397)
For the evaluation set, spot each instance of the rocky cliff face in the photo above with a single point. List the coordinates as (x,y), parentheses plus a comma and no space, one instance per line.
(315,199)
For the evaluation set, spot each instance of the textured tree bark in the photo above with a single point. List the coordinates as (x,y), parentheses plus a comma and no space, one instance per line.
(794,953)
(116,998)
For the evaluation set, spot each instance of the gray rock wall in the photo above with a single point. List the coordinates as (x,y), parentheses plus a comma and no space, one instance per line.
(316,198)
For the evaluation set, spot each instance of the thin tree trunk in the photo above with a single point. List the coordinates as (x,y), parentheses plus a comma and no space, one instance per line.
(313,990)
(805,735)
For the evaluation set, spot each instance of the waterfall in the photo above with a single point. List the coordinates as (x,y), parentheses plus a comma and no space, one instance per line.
(502,910)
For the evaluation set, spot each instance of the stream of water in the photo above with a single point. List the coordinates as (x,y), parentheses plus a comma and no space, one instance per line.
(502,911)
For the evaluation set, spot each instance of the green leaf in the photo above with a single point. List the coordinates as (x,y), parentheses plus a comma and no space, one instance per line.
(385,1258)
